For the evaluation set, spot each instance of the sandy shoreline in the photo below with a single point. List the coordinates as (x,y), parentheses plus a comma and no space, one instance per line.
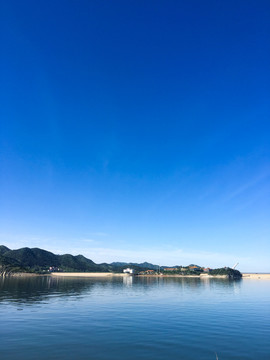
(205,276)
(256,276)
(88,274)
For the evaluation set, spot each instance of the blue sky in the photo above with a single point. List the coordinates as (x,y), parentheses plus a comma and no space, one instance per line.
(137,131)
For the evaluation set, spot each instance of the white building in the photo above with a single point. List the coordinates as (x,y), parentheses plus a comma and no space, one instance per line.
(128,271)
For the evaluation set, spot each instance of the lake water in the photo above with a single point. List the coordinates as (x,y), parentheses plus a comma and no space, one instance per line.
(140,318)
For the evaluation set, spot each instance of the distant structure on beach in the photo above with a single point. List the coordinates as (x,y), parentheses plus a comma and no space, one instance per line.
(128,271)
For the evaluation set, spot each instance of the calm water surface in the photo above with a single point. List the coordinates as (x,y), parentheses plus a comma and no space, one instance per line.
(140,318)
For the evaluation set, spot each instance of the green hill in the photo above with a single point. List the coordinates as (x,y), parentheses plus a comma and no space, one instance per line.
(8,265)
(3,249)
(33,257)
(38,260)
(227,271)
(79,263)
(136,266)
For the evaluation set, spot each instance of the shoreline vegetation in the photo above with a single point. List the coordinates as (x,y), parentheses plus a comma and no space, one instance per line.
(35,261)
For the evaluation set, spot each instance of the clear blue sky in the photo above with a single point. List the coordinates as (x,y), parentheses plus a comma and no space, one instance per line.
(137,130)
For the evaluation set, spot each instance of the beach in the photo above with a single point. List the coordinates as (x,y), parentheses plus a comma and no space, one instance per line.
(256,276)
(87,274)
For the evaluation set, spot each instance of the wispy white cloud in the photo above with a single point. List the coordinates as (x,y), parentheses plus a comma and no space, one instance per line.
(99,234)
(162,256)
(15,241)
(88,240)
(176,256)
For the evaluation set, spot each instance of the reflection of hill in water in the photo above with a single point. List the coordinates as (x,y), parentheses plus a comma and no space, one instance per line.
(187,282)
(44,288)
(40,288)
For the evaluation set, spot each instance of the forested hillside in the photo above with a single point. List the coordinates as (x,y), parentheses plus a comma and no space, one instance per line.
(40,261)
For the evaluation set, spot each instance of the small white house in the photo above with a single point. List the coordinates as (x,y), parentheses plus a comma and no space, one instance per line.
(128,271)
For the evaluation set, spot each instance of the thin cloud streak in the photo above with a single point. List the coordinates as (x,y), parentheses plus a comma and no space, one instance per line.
(99,234)
(247,186)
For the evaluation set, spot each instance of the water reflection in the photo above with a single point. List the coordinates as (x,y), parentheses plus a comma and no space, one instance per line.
(135,317)
(128,280)
(41,288)
(188,282)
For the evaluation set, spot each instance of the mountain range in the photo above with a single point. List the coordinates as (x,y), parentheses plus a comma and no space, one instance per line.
(39,260)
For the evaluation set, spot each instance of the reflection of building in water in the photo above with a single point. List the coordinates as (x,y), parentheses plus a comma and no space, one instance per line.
(128,280)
